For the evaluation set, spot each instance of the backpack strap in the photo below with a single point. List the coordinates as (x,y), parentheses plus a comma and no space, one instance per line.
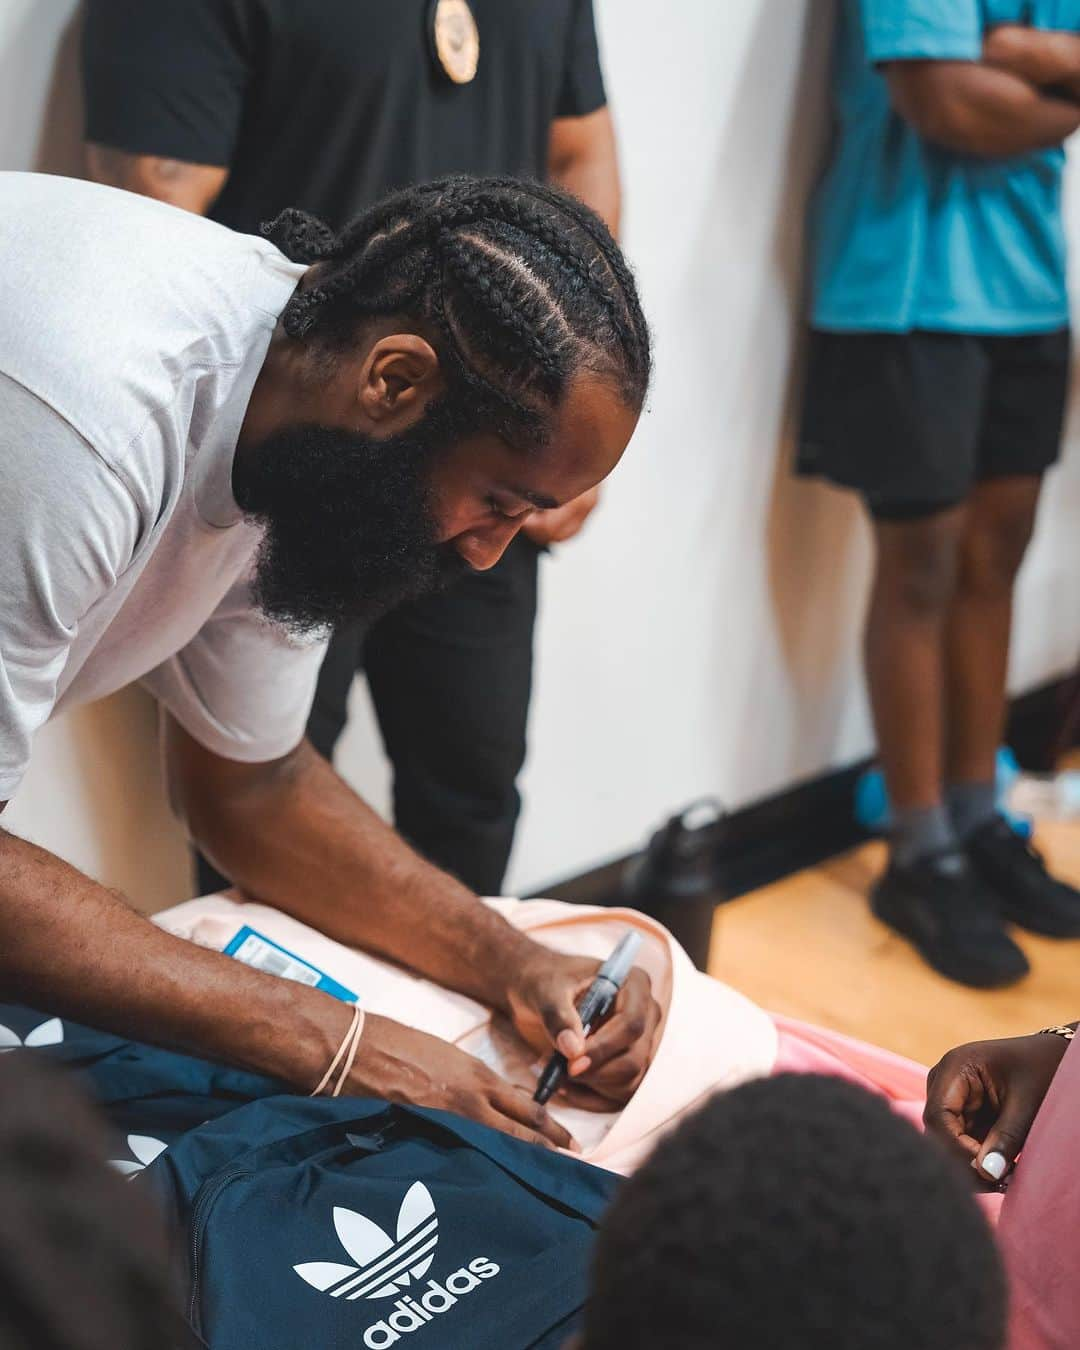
(576,1186)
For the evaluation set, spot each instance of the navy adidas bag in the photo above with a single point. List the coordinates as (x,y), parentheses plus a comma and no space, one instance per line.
(353,1223)
(345,1223)
(55,1038)
(150,1097)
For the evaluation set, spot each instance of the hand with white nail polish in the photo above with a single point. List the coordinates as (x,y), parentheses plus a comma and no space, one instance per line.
(982,1098)
(995,1164)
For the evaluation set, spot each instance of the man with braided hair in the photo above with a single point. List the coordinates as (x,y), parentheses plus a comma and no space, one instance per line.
(212,448)
(240,108)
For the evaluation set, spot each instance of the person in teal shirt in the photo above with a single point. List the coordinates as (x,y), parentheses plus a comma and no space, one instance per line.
(937,384)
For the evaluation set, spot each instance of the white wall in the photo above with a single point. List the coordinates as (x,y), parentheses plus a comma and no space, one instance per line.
(702,637)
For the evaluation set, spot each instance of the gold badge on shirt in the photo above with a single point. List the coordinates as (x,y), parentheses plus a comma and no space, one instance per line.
(455,39)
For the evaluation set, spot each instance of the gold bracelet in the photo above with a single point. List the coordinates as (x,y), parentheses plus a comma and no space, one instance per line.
(1066,1033)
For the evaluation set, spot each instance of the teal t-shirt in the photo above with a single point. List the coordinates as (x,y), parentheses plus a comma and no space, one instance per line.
(907,235)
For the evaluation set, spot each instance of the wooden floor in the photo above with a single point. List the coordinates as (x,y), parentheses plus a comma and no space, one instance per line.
(809,947)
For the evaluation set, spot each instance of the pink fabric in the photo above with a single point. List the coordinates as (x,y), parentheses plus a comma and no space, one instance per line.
(1040,1221)
(711,1037)
(809,1049)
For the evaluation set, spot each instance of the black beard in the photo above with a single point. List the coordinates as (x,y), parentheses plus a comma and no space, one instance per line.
(348,526)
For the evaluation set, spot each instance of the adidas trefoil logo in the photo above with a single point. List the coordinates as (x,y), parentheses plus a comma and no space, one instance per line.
(145,1149)
(49,1033)
(385,1267)
(381,1263)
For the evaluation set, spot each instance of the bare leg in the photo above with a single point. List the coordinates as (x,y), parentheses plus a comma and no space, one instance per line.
(905,651)
(928,893)
(1000,519)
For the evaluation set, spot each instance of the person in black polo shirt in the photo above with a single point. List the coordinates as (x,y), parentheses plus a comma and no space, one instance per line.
(239,108)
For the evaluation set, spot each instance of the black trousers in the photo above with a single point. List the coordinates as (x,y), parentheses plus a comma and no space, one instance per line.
(450,677)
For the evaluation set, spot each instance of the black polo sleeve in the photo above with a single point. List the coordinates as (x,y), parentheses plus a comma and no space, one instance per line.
(583,81)
(166,77)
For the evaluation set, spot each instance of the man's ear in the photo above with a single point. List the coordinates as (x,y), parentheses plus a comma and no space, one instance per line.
(576,1342)
(399,377)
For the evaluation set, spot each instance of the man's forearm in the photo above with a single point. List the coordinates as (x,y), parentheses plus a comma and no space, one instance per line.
(70,946)
(977,110)
(300,839)
(1048,59)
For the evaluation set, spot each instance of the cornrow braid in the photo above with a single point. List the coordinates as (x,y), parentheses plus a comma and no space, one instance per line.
(514,306)
(522,285)
(633,317)
(627,314)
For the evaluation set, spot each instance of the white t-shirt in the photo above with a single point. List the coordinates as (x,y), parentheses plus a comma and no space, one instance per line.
(131,335)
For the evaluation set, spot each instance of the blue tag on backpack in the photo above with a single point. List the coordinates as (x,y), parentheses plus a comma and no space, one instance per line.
(263,953)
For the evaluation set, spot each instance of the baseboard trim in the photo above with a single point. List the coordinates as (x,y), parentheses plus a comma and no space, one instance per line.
(815,820)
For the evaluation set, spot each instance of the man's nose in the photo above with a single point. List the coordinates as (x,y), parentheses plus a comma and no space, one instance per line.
(482,548)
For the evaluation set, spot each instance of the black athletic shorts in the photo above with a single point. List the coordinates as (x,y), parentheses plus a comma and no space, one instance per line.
(913,421)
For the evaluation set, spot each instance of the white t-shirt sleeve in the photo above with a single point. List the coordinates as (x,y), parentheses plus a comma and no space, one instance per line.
(240,687)
(69,529)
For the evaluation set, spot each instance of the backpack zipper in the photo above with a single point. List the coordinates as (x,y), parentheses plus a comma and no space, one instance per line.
(199,1218)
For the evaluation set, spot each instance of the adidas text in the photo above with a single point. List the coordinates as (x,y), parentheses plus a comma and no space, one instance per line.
(412,1314)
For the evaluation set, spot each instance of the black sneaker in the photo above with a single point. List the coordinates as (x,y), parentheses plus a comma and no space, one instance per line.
(939,905)
(1026,892)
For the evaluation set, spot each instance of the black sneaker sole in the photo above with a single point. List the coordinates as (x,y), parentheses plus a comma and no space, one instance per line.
(959,972)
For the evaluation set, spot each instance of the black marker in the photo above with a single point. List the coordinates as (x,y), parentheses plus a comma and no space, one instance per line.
(593,1008)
